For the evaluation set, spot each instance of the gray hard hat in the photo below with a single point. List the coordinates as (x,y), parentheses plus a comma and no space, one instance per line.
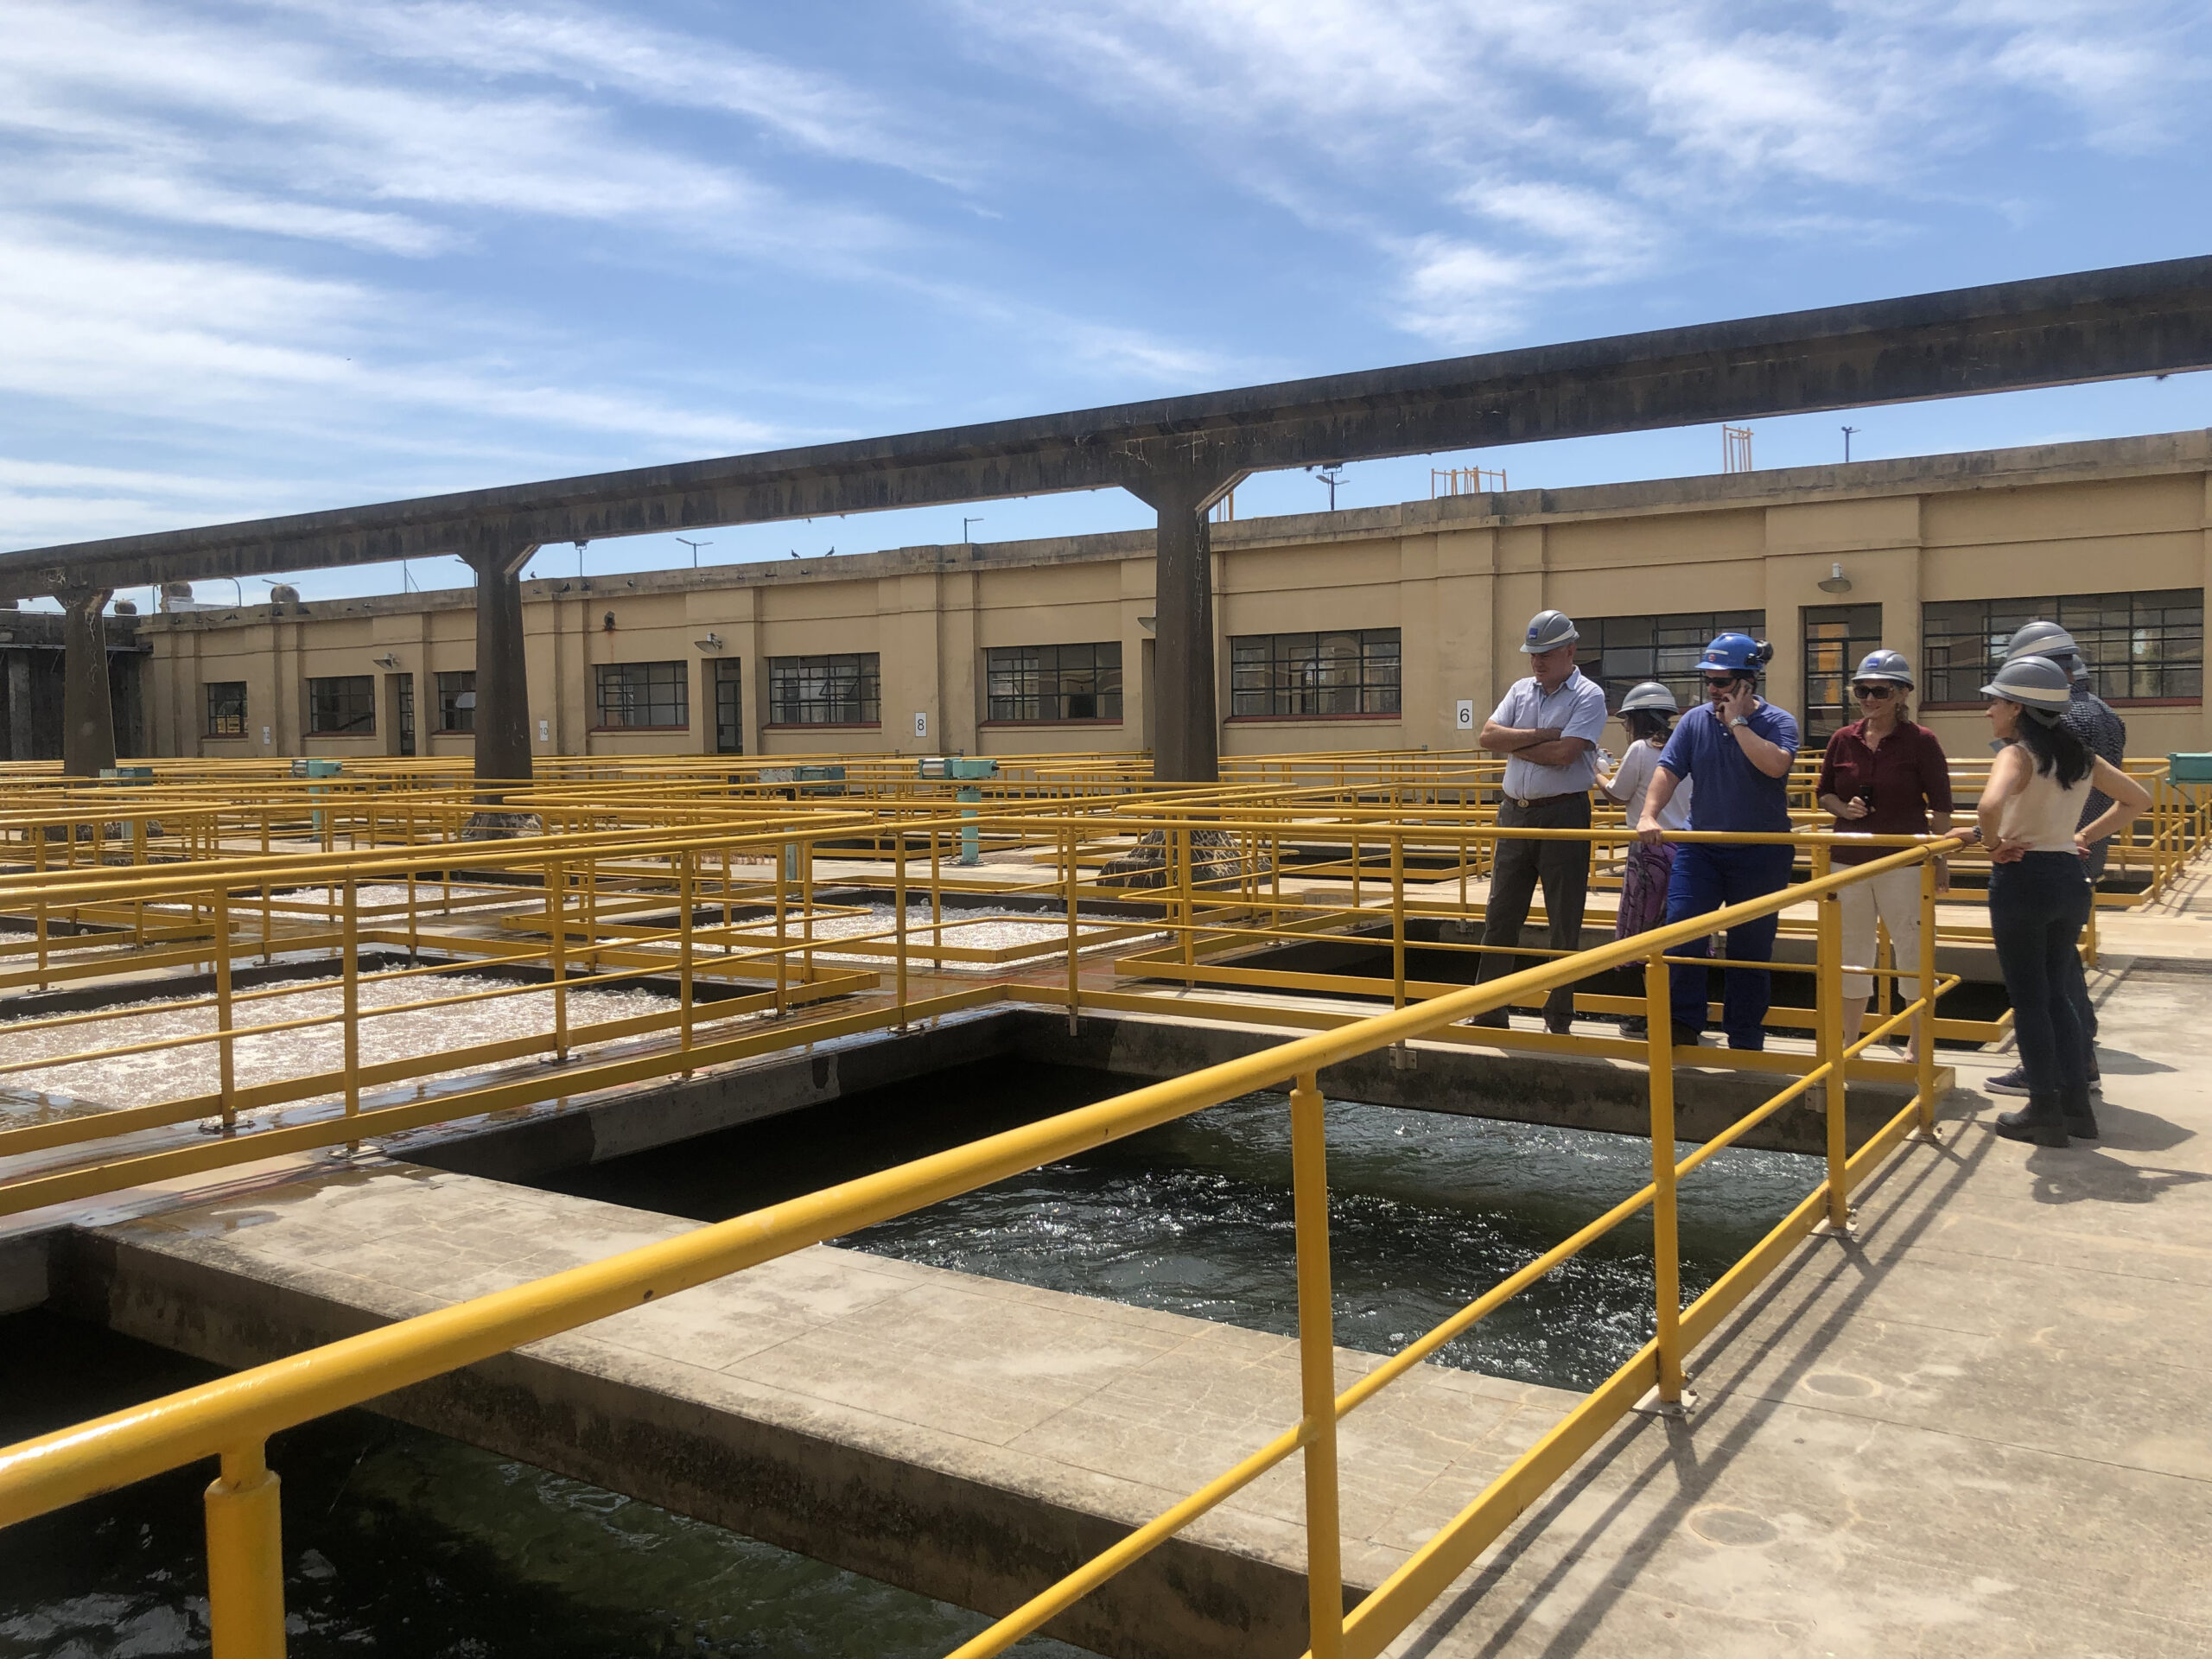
(1548,630)
(1889,665)
(2041,640)
(2035,683)
(1649,694)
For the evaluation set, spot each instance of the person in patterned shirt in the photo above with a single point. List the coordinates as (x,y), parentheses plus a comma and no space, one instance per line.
(2104,734)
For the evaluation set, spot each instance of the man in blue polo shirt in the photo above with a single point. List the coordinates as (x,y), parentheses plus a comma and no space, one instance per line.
(1547,726)
(1739,748)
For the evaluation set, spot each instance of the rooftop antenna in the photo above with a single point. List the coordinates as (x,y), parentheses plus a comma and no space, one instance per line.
(1331,473)
(1847,431)
(964,523)
(581,545)
(1735,449)
(694,547)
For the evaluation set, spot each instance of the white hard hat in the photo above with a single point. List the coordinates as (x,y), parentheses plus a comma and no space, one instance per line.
(1547,630)
(1649,694)
(2034,682)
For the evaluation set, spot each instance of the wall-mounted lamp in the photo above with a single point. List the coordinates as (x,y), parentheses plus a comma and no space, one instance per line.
(1149,624)
(712,642)
(390,659)
(608,624)
(1835,581)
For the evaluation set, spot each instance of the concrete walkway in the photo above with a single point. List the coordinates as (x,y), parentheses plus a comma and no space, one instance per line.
(1983,1428)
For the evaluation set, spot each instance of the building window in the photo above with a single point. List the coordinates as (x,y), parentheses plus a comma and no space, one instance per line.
(226,708)
(1054,682)
(1622,651)
(2139,647)
(1837,640)
(457,701)
(840,690)
(645,694)
(346,704)
(1351,672)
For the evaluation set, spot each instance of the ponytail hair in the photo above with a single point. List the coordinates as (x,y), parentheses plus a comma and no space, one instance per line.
(2056,751)
(1646,723)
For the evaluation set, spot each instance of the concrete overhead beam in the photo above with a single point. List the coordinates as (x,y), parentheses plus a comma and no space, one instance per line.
(2129,321)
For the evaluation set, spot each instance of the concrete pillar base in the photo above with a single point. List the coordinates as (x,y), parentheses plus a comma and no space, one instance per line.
(87,712)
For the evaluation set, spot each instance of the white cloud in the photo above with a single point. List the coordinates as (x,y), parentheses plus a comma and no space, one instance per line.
(1592,141)
(175,118)
(211,341)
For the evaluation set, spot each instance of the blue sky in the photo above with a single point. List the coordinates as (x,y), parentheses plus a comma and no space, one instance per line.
(265,257)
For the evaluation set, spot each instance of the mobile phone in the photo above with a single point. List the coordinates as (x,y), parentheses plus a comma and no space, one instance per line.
(1864,796)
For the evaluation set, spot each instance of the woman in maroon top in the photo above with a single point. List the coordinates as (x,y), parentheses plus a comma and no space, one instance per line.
(1882,775)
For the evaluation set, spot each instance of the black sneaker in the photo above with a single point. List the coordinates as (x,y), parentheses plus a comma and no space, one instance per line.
(2014,1082)
(1687,1036)
(1634,1025)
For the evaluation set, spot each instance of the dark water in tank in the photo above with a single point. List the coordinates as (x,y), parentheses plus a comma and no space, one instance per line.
(398,1541)
(1427,1212)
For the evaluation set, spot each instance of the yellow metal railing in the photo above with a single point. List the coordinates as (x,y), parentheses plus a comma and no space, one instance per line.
(232,1418)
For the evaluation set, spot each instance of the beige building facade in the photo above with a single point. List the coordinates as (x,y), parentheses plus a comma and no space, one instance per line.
(1362,629)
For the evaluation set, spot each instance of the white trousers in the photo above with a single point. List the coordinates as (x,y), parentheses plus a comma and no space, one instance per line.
(1895,897)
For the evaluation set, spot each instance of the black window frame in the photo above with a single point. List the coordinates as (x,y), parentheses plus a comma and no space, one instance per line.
(826,688)
(225,722)
(2142,646)
(453,683)
(1836,639)
(1288,677)
(651,697)
(1049,684)
(1623,651)
(342,705)
(728,689)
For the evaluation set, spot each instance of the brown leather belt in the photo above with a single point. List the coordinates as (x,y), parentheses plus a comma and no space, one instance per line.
(1564,795)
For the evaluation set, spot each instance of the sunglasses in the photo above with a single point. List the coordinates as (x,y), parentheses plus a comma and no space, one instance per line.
(1874,693)
(1727,685)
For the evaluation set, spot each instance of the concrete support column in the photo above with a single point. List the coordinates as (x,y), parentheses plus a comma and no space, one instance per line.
(87,711)
(19,705)
(502,674)
(1186,726)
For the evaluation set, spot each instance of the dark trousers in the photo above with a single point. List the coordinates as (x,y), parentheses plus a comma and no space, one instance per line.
(1564,868)
(2037,908)
(2077,982)
(1705,877)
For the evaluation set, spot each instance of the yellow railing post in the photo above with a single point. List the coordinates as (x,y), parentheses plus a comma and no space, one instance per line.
(1316,1369)
(225,1045)
(350,945)
(783,963)
(1827,1022)
(1180,842)
(1666,1237)
(899,915)
(686,872)
(556,931)
(1397,920)
(1923,1028)
(246,1560)
(937,907)
(1074,996)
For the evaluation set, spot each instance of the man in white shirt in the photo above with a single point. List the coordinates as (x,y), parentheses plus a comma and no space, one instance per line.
(1548,726)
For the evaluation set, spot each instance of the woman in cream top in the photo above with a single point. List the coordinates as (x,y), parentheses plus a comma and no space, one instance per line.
(2039,889)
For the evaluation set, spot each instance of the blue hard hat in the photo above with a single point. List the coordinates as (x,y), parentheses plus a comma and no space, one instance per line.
(1737,651)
